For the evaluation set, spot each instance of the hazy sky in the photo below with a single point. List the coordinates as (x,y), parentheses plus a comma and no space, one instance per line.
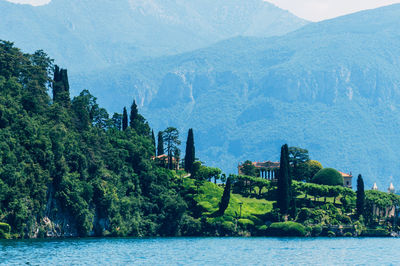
(314,10)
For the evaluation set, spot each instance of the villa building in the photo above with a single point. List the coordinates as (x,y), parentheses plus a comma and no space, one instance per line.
(347,180)
(267,170)
(162,160)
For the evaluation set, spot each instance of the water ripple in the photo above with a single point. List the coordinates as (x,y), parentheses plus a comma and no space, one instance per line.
(202,251)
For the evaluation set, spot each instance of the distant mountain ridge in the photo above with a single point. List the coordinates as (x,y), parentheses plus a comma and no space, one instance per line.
(332,87)
(84,34)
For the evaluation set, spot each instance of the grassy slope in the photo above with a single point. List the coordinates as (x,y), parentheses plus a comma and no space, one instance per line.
(210,195)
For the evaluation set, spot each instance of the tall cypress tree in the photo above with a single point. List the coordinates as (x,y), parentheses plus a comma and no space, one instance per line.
(61,87)
(360,203)
(190,152)
(153,138)
(134,115)
(292,200)
(226,196)
(160,144)
(283,190)
(124,119)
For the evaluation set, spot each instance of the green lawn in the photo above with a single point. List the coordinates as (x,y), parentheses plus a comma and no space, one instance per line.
(210,195)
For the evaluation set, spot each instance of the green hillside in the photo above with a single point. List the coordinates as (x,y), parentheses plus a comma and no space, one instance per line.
(69,170)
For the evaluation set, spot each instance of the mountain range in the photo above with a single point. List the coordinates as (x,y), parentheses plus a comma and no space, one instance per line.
(84,35)
(332,87)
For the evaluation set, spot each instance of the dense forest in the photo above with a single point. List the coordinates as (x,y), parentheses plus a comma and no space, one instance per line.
(70,169)
(67,167)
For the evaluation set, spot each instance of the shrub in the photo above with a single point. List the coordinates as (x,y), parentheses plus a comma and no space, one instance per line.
(273,216)
(344,219)
(228,226)
(190,226)
(348,234)
(303,215)
(5,230)
(328,176)
(331,234)
(318,215)
(316,230)
(287,229)
(245,222)
(263,228)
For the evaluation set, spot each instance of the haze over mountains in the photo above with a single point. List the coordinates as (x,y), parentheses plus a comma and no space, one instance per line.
(86,34)
(332,87)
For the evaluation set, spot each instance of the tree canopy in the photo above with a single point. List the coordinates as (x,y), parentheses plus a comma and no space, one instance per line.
(328,176)
(66,162)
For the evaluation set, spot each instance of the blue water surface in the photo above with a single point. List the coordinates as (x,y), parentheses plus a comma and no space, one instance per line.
(202,251)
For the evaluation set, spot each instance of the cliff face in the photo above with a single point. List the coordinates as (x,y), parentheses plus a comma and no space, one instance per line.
(58,222)
(331,87)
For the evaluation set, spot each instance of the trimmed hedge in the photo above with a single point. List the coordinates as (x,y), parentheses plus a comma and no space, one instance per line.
(286,229)
(328,176)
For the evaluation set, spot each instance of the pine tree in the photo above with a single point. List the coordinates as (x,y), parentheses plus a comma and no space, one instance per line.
(226,196)
(190,152)
(153,139)
(160,144)
(133,115)
(124,119)
(283,197)
(171,139)
(360,203)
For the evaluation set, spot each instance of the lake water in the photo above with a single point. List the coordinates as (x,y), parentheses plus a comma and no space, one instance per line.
(202,251)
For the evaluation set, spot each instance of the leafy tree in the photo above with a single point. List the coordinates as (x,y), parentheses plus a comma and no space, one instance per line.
(328,176)
(202,172)
(215,173)
(160,144)
(226,196)
(124,119)
(334,192)
(117,121)
(312,167)
(360,204)
(190,155)
(298,158)
(283,190)
(171,139)
(298,155)
(249,169)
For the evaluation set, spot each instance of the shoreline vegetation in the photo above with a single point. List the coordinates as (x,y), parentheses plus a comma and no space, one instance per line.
(69,169)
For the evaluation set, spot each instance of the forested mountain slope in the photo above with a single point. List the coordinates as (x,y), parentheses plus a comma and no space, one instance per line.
(331,87)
